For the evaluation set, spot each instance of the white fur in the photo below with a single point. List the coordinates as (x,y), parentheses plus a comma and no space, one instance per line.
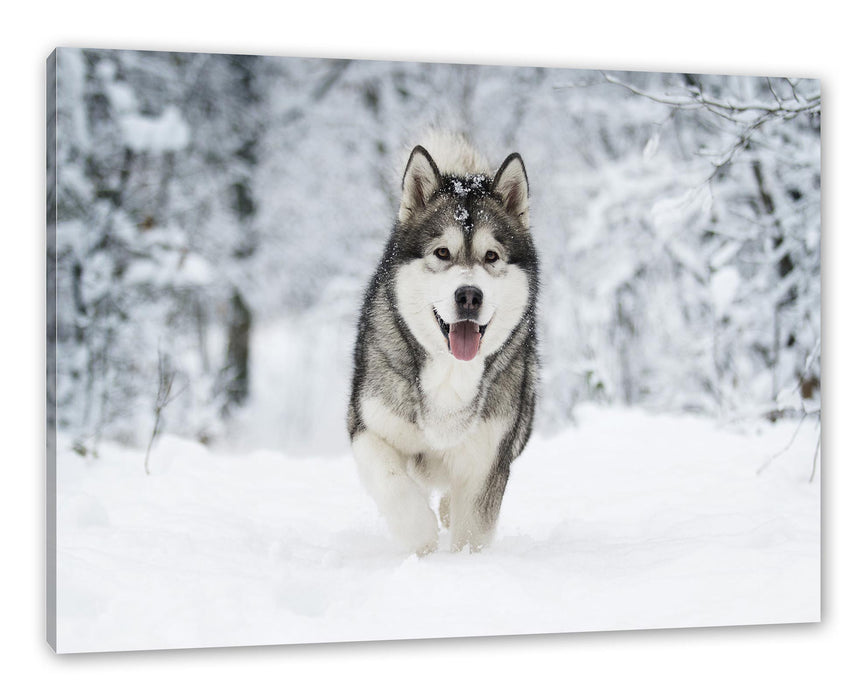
(468,466)
(387,469)
(449,384)
(383,472)
(453,154)
(399,433)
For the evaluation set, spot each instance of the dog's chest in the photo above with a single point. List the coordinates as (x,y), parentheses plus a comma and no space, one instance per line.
(446,413)
(449,393)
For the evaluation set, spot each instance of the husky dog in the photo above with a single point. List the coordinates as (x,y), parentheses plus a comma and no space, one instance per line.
(443,393)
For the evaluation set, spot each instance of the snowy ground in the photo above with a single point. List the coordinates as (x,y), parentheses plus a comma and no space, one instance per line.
(628,521)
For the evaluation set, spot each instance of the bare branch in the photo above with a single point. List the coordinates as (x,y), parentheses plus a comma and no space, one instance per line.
(773,92)
(785,448)
(793,90)
(784,108)
(815,457)
(163,398)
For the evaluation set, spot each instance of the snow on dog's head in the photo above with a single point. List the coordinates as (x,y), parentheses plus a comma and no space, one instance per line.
(466,265)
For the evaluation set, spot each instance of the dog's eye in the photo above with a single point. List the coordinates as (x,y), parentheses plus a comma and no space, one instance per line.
(442,253)
(491,256)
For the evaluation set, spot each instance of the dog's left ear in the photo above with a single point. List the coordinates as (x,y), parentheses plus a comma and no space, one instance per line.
(512,186)
(421,180)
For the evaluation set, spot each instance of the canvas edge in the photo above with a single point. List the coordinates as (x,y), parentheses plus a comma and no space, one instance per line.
(51,582)
(51,351)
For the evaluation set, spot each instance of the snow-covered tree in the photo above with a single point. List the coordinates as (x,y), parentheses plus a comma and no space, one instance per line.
(219,215)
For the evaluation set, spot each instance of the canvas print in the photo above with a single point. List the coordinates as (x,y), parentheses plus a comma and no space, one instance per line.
(345,350)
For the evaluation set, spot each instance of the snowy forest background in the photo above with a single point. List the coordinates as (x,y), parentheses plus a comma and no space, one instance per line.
(218,216)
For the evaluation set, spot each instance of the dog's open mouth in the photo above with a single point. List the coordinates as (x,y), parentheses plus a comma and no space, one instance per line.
(463,337)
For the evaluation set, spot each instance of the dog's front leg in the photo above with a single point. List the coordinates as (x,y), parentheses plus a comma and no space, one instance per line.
(400,500)
(474,507)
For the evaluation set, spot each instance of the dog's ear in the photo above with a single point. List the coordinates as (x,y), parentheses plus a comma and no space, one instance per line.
(420,182)
(512,186)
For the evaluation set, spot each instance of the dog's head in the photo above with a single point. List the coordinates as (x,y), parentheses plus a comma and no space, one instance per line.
(467,272)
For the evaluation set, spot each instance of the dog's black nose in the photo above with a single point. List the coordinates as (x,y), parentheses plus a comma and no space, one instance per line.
(468,299)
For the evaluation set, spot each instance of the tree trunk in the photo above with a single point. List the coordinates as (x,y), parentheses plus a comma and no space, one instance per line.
(238,352)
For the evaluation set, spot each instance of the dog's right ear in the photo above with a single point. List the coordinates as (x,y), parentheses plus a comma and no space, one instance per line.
(420,182)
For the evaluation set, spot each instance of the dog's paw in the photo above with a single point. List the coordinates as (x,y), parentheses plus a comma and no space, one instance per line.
(428,548)
(474,541)
(414,526)
(417,531)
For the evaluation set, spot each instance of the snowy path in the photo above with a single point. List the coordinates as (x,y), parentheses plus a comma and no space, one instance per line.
(628,521)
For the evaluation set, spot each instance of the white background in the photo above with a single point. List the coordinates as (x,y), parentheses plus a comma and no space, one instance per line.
(738,36)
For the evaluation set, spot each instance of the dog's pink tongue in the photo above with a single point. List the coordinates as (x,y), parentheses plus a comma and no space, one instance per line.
(465,339)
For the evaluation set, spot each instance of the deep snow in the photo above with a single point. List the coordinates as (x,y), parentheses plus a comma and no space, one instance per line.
(630,520)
